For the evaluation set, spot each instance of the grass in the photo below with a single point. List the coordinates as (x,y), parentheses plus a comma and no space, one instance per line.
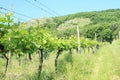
(103,65)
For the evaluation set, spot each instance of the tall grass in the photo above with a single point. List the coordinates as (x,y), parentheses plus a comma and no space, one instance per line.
(103,65)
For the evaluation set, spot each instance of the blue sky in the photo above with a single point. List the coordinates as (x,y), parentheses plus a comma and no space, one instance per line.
(62,7)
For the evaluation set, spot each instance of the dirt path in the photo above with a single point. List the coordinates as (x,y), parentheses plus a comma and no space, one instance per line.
(96,68)
(107,64)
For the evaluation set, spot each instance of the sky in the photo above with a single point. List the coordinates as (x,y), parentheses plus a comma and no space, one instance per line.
(61,7)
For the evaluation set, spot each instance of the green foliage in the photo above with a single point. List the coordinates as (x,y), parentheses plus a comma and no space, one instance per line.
(102,22)
(104,31)
(99,22)
(20,38)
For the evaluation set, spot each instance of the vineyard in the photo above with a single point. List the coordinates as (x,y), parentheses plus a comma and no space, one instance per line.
(34,53)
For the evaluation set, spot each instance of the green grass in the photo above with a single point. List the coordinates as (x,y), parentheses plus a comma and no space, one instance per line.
(103,65)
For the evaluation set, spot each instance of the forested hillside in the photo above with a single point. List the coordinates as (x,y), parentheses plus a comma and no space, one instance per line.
(105,24)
